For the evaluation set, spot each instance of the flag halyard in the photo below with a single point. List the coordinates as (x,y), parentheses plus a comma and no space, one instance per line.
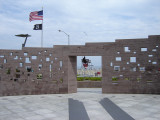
(37,15)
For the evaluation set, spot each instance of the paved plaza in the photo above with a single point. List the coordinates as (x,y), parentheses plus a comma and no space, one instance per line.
(61,106)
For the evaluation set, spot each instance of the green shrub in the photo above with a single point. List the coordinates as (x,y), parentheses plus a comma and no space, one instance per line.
(80,78)
(8,71)
(138,79)
(89,78)
(126,78)
(17,70)
(39,76)
(149,81)
(114,79)
(61,80)
(95,78)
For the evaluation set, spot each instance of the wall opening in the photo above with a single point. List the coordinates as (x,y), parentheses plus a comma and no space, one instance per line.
(89,72)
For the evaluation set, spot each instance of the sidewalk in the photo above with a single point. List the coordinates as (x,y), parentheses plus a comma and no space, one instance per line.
(56,106)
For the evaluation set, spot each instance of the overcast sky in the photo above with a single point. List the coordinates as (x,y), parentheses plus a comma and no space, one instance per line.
(83,20)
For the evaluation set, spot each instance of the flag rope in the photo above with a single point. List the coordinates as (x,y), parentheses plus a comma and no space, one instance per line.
(42,32)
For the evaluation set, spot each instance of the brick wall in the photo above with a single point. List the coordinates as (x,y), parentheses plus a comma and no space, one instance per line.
(128,66)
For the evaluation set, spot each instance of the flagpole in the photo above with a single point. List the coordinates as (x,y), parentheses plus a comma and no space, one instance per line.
(42,33)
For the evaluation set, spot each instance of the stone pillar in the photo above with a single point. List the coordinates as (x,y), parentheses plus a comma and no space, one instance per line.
(72,74)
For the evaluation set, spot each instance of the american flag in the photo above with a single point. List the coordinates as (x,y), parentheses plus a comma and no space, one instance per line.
(36,15)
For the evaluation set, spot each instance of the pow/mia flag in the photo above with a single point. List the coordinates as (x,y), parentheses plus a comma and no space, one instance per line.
(37,27)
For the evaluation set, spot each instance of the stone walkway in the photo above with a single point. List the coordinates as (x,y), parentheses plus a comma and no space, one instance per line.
(56,106)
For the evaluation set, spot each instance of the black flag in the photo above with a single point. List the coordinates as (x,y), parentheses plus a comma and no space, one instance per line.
(37,27)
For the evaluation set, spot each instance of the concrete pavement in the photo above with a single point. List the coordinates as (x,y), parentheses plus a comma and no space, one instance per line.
(56,106)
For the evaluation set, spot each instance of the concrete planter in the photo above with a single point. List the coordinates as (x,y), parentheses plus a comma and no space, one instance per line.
(89,84)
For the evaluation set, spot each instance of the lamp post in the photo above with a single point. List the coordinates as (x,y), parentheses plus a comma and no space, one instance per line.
(66,34)
(24,35)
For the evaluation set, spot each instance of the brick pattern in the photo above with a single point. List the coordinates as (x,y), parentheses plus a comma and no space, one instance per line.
(128,66)
(30,71)
(138,70)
